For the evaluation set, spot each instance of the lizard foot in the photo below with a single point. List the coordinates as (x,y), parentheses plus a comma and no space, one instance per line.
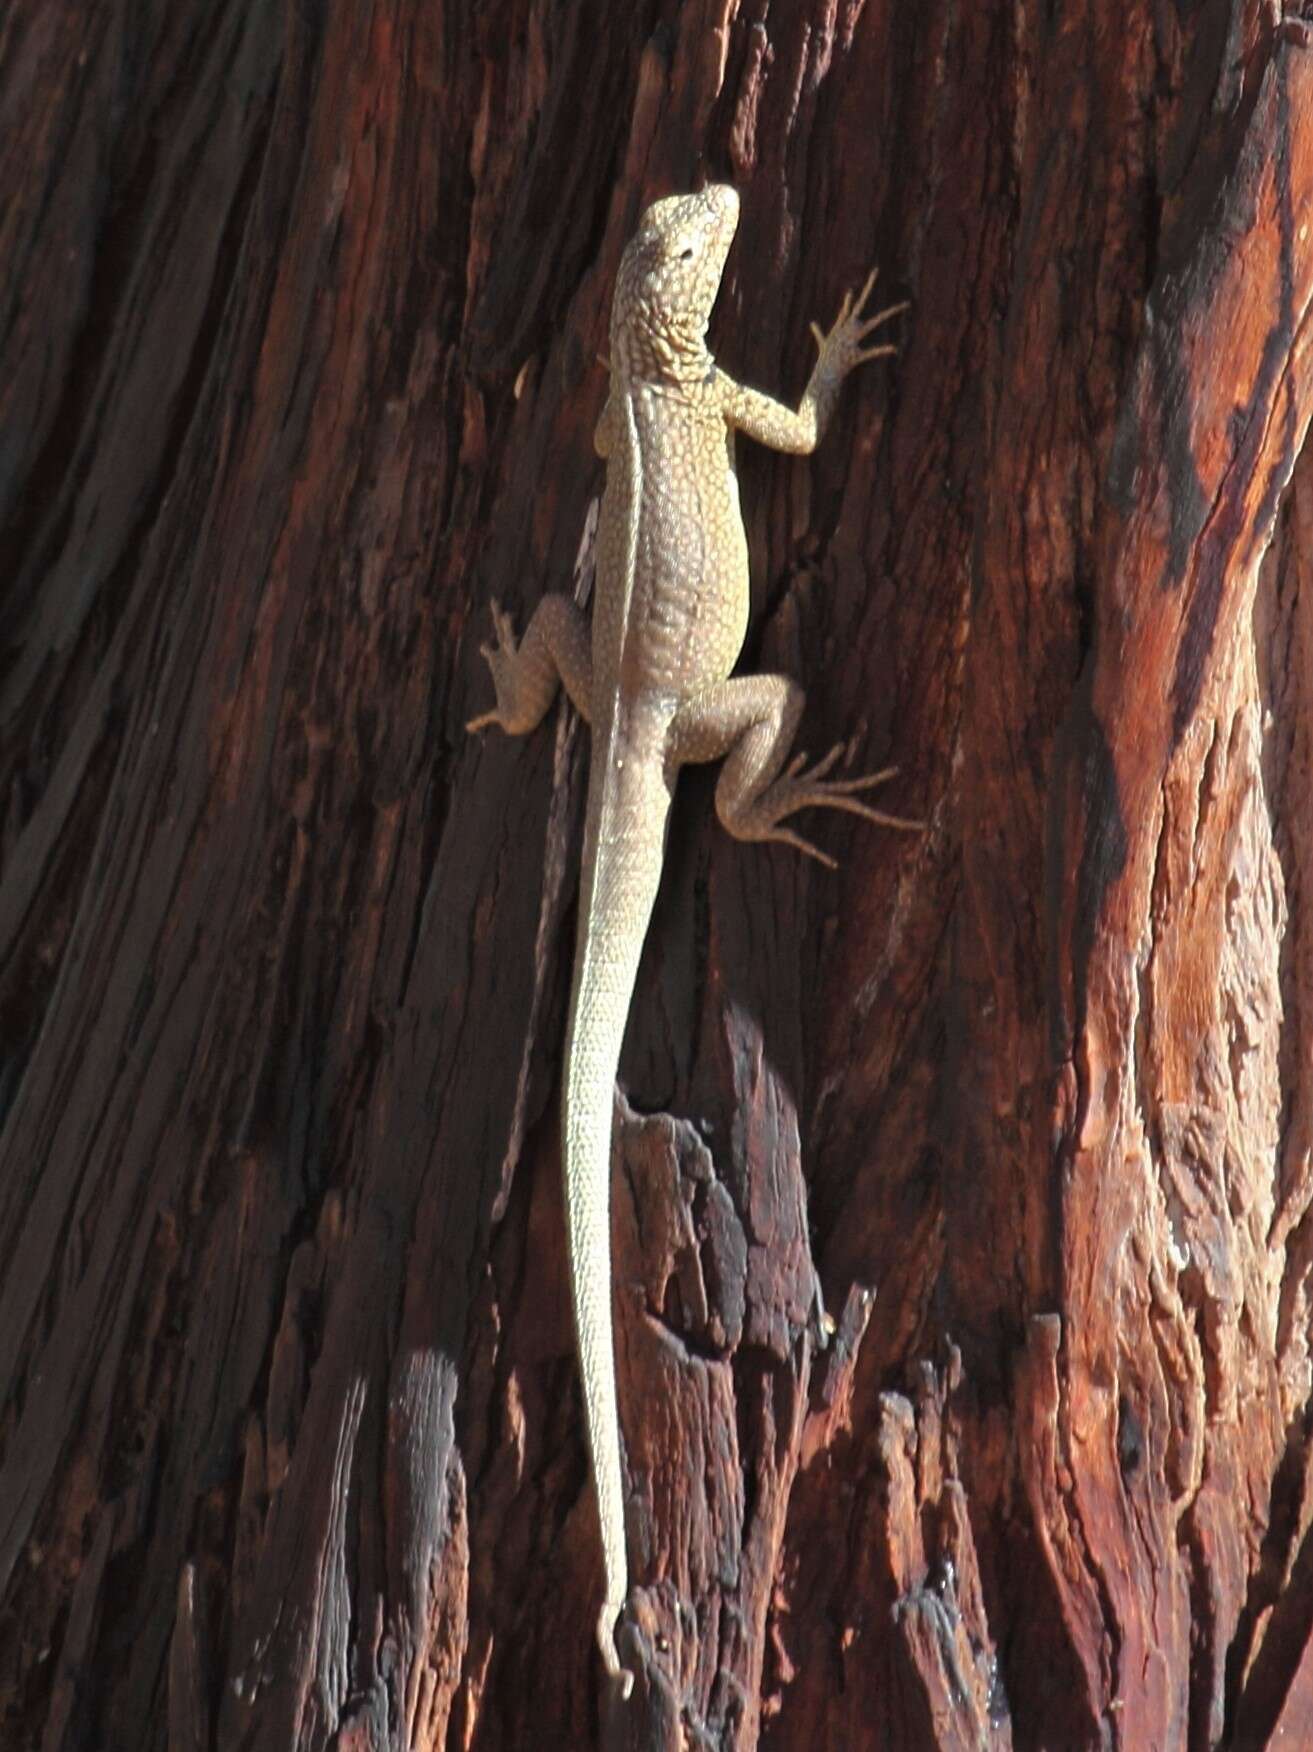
(797,788)
(503,659)
(843,345)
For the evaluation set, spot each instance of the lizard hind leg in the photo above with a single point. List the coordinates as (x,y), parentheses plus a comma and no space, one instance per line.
(527,672)
(752,719)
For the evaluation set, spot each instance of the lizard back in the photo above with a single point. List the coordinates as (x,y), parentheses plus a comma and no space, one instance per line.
(686,601)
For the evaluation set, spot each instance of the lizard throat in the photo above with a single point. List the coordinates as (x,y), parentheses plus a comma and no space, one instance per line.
(662,354)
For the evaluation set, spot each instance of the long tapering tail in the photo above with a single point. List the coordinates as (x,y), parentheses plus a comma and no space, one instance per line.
(623,846)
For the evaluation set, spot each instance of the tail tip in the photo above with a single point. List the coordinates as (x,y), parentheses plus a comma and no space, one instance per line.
(619,1676)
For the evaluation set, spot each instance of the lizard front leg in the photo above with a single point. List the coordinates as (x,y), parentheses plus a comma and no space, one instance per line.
(527,673)
(752,719)
(798,431)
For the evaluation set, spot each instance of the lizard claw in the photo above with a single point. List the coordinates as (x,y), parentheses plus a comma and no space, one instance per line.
(839,793)
(869,324)
(822,766)
(785,836)
(798,787)
(844,341)
(873,322)
(500,658)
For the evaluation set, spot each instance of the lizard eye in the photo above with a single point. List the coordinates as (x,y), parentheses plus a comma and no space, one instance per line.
(686,254)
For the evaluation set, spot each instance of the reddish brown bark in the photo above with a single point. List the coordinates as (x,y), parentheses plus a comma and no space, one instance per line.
(301,314)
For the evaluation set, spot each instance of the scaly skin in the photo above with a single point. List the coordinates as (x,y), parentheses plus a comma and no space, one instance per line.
(670,613)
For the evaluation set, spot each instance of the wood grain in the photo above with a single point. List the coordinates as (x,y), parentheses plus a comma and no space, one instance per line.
(302,307)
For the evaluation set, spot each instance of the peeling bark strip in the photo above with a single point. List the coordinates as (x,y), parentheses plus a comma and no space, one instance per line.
(1238,412)
(1217,409)
(299,314)
(1215,415)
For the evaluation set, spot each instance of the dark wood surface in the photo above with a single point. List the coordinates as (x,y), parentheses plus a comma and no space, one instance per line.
(300,313)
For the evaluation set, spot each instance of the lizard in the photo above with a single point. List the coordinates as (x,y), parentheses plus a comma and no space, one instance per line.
(653,681)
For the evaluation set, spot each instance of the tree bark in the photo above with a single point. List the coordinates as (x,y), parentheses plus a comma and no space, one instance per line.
(302,307)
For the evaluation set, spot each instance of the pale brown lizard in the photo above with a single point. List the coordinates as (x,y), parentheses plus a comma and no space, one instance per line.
(669,619)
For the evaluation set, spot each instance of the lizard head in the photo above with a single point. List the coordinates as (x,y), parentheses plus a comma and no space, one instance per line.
(670,274)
